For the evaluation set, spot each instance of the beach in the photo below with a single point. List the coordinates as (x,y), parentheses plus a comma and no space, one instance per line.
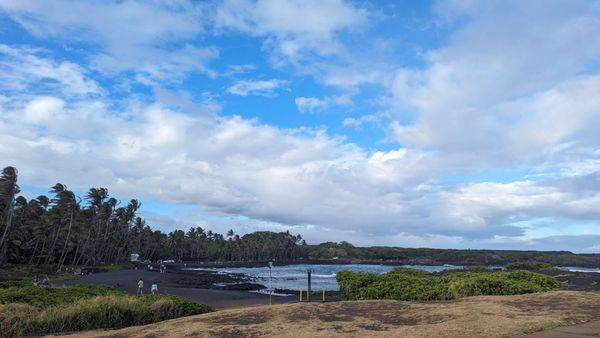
(228,291)
(195,286)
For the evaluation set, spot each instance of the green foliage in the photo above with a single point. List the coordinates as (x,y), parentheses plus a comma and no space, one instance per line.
(19,272)
(409,284)
(38,311)
(45,296)
(530,266)
(427,256)
(21,275)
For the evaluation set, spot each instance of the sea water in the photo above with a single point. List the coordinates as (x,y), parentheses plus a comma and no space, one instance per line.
(578,269)
(295,277)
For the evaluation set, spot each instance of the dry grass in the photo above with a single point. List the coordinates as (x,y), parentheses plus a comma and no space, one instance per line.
(484,316)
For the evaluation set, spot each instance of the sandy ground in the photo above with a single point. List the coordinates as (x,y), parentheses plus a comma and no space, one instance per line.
(486,316)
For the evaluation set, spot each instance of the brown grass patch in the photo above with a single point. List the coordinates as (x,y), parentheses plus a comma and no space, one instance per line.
(486,316)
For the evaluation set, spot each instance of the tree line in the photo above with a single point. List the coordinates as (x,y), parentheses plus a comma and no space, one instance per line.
(65,230)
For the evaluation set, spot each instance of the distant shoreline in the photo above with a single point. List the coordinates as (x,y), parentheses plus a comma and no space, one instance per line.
(254,264)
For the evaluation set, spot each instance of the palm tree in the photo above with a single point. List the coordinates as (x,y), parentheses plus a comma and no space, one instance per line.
(67,200)
(8,190)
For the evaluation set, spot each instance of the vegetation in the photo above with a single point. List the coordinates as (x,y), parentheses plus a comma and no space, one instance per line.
(346,251)
(410,284)
(21,275)
(41,310)
(65,230)
(529,266)
(46,296)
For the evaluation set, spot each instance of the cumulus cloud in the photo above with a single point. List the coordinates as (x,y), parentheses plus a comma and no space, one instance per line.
(234,166)
(521,83)
(488,99)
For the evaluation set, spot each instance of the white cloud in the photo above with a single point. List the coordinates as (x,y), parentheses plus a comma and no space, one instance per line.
(311,104)
(489,99)
(234,166)
(22,68)
(315,104)
(147,38)
(360,121)
(294,29)
(256,87)
(489,80)
(42,110)
(308,36)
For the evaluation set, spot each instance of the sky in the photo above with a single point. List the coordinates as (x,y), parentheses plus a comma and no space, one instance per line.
(450,124)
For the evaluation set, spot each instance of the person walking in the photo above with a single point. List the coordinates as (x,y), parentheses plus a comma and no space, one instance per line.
(140,290)
(154,288)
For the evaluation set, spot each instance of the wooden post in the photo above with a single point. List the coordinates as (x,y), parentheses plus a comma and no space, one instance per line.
(309,271)
(300,295)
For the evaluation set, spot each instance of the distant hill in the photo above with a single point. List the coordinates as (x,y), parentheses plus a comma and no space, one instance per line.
(345,251)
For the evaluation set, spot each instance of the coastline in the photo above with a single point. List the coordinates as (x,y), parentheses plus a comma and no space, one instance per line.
(197,286)
(226,291)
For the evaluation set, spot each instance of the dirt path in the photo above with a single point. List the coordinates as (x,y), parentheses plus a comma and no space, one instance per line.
(591,329)
(488,316)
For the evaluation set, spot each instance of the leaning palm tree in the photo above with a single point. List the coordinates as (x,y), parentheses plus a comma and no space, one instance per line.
(68,201)
(8,191)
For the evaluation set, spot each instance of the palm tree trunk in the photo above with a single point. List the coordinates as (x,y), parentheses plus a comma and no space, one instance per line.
(50,255)
(63,254)
(37,262)
(4,239)
(37,241)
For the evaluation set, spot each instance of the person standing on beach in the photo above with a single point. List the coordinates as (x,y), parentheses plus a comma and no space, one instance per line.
(140,290)
(154,288)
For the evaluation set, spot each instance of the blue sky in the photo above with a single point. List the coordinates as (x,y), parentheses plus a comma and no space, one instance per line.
(453,124)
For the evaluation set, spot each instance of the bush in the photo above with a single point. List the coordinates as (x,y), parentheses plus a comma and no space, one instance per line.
(85,307)
(109,312)
(530,266)
(46,296)
(419,285)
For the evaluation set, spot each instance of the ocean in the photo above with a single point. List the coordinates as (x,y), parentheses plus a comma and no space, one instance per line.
(294,277)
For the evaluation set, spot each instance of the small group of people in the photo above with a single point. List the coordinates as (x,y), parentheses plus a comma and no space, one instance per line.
(153,288)
(36,281)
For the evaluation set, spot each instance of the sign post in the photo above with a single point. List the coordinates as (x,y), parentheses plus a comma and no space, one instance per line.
(270,285)
(309,272)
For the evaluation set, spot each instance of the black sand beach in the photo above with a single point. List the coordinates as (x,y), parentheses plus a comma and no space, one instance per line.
(191,286)
(200,285)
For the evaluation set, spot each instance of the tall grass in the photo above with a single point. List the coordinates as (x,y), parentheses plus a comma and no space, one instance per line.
(46,296)
(84,307)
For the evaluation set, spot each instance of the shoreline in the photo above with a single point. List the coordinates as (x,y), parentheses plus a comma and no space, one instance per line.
(171,283)
(345,261)
(238,290)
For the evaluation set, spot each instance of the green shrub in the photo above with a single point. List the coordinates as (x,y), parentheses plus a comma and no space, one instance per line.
(46,296)
(422,286)
(115,309)
(530,266)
